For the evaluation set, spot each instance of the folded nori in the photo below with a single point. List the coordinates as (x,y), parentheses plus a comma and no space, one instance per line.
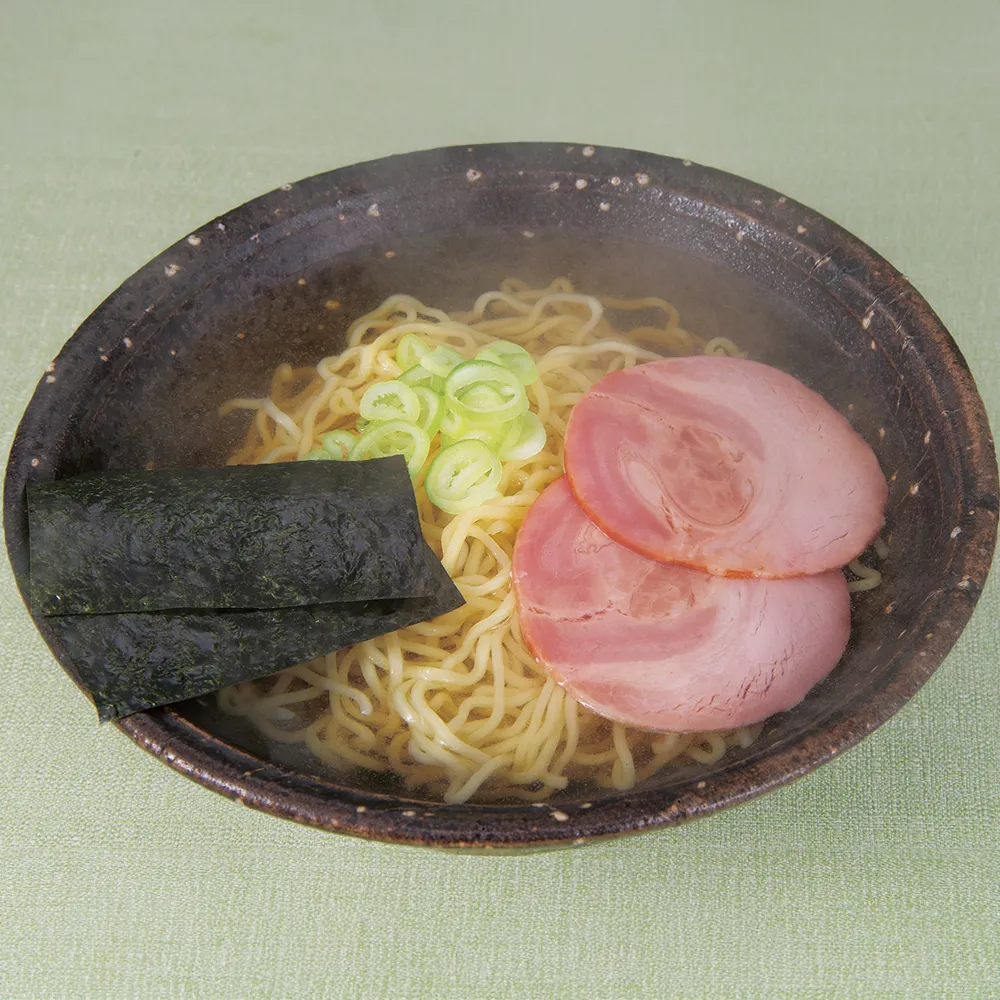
(167,585)
(133,662)
(249,537)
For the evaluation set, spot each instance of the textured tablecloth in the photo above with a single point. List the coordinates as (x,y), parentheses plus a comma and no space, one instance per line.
(123,126)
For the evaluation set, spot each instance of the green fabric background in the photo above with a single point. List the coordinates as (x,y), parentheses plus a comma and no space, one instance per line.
(123,126)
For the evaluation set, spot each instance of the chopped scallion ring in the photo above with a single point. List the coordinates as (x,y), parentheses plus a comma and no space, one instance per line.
(484,397)
(492,437)
(441,360)
(524,439)
(485,393)
(431,410)
(419,375)
(394,437)
(512,356)
(390,400)
(463,475)
(338,443)
(452,425)
(410,350)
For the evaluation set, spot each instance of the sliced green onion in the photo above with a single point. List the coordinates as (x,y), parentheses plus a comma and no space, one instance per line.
(317,455)
(463,475)
(441,360)
(419,375)
(452,425)
(465,392)
(511,356)
(483,397)
(410,350)
(474,413)
(492,437)
(455,428)
(390,400)
(394,437)
(338,443)
(524,439)
(431,410)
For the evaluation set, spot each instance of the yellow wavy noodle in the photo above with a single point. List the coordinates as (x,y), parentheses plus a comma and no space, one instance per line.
(456,707)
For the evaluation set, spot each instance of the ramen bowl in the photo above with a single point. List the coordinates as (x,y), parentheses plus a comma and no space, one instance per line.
(278,280)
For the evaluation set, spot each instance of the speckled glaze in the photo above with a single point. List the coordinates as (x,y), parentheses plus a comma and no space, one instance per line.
(213,314)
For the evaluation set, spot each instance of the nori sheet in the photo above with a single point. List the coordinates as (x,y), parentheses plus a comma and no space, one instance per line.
(184,581)
(133,662)
(249,537)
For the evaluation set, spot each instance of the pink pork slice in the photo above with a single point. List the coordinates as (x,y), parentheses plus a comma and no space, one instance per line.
(662,647)
(730,466)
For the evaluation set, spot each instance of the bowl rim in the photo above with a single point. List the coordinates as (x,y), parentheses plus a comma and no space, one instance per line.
(881,300)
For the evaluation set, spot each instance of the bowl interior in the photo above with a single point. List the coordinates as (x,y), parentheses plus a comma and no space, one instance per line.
(150,377)
(228,342)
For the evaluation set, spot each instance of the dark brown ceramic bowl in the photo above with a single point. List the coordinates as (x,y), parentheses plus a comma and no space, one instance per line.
(210,318)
